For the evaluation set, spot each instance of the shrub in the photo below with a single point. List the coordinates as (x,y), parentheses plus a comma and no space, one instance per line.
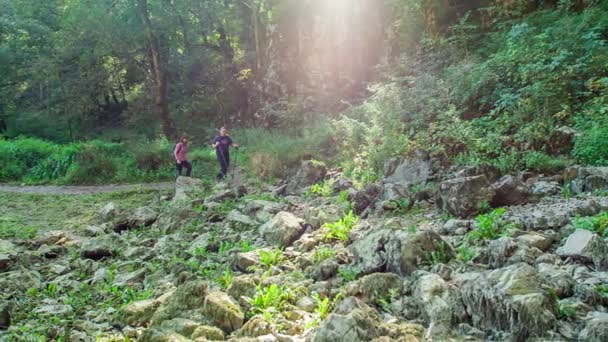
(591,147)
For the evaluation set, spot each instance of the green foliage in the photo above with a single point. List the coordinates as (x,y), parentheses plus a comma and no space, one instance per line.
(440,256)
(225,279)
(273,297)
(385,301)
(591,147)
(597,224)
(339,230)
(323,189)
(36,161)
(489,226)
(271,257)
(566,312)
(324,307)
(322,253)
(349,273)
(466,253)
(11,228)
(602,290)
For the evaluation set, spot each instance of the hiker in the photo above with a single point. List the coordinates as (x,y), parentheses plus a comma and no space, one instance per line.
(181,148)
(222,143)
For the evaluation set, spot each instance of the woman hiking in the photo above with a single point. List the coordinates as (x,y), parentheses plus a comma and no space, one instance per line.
(222,143)
(181,161)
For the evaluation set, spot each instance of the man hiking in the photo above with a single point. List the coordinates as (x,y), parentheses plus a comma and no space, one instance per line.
(222,143)
(181,161)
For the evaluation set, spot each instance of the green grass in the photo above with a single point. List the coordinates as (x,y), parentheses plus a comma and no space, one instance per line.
(22,215)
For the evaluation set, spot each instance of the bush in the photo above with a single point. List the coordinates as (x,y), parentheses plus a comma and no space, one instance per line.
(591,147)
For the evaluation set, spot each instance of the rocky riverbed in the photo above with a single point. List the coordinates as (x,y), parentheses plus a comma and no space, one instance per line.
(478,258)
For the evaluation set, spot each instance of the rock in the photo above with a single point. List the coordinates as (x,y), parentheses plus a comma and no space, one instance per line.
(357,326)
(374,286)
(8,253)
(545,188)
(208,333)
(237,218)
(306,303)
(222,196)
(406,251)
(509,191)
(596,328)
(98,248)
(283,229)
(324,270)
(157,335)
(455,227)
(440,304)
(262,210)
(130,278)
(586,246)
(407,172)
(510,299)
(5,314)
(242,286)
(587,178)
(139,313)
(397,251)
(109,212)
(188,296)
(536,240)
(342,184)
(53,309)
(310,172)
(256,326)
(184,327)
(19,281)
(223,312)
(559,279)
(142,217)
(186,188)
(365,198)
(464,197)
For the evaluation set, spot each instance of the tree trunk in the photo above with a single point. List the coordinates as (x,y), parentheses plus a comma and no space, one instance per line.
(158,73)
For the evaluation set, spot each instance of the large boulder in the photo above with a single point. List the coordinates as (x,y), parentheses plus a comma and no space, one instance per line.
(223,311)
(188,296)
(283,229)
(400,173)
(440,304)
(186,188)
(509,190)
(357,326)
(510,299)
(310,172)
(464,197)
(596,328)
(586,246)
(365,198)
(139,313)
(397,251)
(99,247)
(8,252)
(587,178)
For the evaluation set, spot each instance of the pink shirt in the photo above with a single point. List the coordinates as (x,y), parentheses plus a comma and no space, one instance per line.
(180,152)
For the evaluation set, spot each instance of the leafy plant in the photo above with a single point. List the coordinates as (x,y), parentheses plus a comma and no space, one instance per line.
(324,307)
(339,230)
(225,279)
(489,226)
(323,189)
(349,273)
(597,224)
(272,297)
(322,253)
(566,312)
(602,290)
(270,258)
(385,301)
(466,253)
(440,256)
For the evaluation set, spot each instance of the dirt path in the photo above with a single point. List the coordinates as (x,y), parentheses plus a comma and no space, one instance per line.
(82,190)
